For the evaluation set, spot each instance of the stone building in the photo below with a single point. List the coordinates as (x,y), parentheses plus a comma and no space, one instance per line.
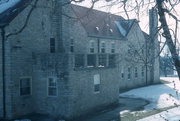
(70,60)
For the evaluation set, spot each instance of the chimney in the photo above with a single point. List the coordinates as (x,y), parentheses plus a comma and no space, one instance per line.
(153,23)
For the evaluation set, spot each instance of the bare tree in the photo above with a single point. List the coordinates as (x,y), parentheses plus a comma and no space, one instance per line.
(164,8)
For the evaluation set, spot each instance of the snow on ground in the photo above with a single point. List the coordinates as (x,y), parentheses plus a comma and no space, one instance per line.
(4,4)
(160,96)
(169,115)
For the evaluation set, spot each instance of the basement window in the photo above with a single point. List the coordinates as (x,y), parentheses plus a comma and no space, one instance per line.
(25,86)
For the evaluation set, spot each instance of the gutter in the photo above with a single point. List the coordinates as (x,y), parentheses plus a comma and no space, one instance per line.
(106,37)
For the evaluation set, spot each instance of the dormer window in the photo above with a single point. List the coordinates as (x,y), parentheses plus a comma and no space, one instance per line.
(97,29)
(111,30)
(91,47)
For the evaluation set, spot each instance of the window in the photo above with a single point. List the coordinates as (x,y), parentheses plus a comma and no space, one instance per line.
(25,86)
(129,51)
(142,71)
(92,44)
(52,45)
(52,87)
(112,47)
(72,45)
(122,72)
(79,60)
(103,47)
(91,60)
(96,83)
(112,60)
(142,51)
(136,72)
(102,60)
(129,73)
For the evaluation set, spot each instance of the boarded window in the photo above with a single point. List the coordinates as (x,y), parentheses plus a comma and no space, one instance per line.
(25,86)
(136,72)
(91,60)
(112,60)
(52,87)
(96,83)
(52,45)
(102,60)
(79,60)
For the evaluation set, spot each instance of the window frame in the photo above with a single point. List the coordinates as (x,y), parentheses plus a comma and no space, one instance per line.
(136,72)
(71,45)
(122,72)
(129,73)
(113,47)
(54,78)
(25,77)
(92,46)
(142,71)
(98,83)
(52,45)
(102,47)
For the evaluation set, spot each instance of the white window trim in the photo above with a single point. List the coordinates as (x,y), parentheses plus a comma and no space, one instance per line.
(23,77)
(48,87)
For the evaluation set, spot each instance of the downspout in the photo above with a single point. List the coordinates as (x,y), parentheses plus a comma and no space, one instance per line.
(98,45)
(146,63)
(3,71)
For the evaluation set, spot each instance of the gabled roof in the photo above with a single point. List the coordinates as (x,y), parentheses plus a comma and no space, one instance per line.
(101,24)
(10,9)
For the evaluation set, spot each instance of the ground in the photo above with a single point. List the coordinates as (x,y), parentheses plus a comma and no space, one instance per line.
(151,103)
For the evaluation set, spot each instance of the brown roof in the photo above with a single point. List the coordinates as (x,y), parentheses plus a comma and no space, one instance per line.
(101,24)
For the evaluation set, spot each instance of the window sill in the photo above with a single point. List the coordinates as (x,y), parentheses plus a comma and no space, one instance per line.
(98,92)
(92,68)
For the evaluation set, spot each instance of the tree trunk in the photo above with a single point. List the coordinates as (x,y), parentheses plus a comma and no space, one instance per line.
(168,36)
